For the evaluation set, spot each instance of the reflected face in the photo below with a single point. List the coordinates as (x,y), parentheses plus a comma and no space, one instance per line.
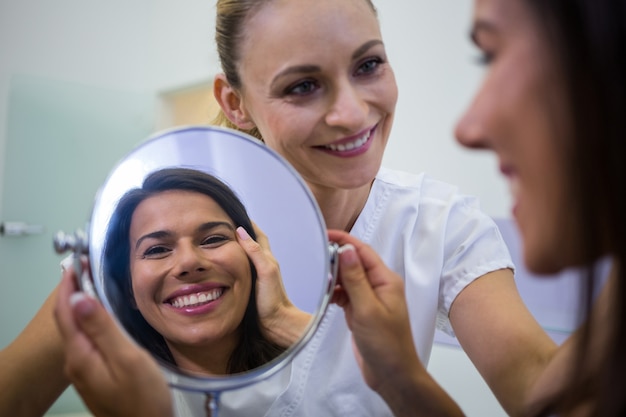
(518,112)
(191,279)
(317,84)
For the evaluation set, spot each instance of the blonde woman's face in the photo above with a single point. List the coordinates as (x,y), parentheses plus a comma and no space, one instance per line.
(518,112)
(318,86)
(191,279)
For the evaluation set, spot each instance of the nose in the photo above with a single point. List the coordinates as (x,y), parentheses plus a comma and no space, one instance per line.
(470,130)
(347,108)
(190,262)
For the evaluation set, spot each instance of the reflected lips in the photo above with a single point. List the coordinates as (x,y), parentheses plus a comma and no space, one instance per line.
(196,301)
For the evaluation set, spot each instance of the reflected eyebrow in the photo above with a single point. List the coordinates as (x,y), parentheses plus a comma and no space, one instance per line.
(154,235)
(309,69)
(204,227)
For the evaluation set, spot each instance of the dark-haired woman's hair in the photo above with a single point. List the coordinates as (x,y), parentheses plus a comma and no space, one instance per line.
(587,39)
(253,349)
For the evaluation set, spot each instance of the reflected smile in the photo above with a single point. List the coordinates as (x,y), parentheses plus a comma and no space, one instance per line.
(196,299)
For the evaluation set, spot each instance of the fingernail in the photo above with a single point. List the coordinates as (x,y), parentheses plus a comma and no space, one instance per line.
(82,304)
(348,253)
(242,233)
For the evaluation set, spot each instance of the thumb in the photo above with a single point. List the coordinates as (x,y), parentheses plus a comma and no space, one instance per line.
(354,280)
(98,325)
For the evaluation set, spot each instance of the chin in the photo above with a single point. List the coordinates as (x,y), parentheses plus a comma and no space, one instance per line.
(543,262)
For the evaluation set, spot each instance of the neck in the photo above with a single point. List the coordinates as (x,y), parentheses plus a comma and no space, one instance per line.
(341,207)
(201,360)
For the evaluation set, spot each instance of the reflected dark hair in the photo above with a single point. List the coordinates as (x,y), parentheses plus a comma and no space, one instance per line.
(253,349)
(587,39)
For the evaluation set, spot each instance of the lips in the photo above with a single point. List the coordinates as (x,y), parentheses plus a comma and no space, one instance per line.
(196,299)
(352,145)
(341,147)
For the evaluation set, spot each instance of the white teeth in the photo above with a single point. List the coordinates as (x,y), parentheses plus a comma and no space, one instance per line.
(351,145)
(194,300)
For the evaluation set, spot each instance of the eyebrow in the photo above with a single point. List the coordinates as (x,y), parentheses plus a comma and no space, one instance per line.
(365,47)
(204,227)
(309,69)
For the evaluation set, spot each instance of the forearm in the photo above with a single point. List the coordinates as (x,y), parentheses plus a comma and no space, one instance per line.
(502,339)
(32,375)
(26,388)
(415,394)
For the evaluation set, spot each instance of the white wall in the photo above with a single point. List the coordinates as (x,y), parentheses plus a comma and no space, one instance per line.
(434,62)
(137,46)
(151,45)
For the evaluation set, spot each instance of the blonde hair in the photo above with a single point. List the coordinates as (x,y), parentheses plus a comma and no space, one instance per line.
(231,17)
(221,120)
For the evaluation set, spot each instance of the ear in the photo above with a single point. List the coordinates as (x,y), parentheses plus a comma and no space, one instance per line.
(230,102)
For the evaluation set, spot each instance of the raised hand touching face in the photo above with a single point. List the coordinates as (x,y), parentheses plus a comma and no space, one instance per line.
(281,321)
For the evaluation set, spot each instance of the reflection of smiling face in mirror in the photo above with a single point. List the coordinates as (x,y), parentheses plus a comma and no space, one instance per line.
(191,279)
(179,280)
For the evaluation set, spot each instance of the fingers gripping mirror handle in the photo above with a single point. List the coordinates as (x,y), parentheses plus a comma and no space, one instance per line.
(78,243)
(333,250)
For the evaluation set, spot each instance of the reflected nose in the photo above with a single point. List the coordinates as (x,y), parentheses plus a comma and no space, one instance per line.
(347,109)
(190,261)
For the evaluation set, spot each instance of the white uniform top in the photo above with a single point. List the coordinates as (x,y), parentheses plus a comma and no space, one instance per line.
(424,230)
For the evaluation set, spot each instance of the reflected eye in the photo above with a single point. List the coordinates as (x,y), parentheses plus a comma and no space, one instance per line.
(215,240)
(302,88)
(156,251)
(368,67)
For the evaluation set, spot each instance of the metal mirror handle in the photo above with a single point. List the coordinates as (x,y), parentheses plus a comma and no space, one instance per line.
(78,243)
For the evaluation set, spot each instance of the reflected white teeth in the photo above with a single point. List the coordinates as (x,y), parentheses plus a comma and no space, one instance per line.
(194,300)
(350,145)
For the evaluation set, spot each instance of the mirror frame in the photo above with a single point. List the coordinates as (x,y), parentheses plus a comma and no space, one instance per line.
(174,376)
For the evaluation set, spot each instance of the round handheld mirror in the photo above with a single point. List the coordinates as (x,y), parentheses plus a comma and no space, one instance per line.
(275,198)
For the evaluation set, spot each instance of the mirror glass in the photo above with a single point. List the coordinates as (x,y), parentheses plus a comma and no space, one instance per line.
(276,199)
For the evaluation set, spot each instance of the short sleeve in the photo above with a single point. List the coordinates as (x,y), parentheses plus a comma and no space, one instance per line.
(473,247)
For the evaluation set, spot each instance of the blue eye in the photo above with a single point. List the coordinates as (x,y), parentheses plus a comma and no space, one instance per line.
(370,66)
(302,88)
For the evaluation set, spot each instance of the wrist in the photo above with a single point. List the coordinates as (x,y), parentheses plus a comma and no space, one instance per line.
(287,326)
(413,392)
